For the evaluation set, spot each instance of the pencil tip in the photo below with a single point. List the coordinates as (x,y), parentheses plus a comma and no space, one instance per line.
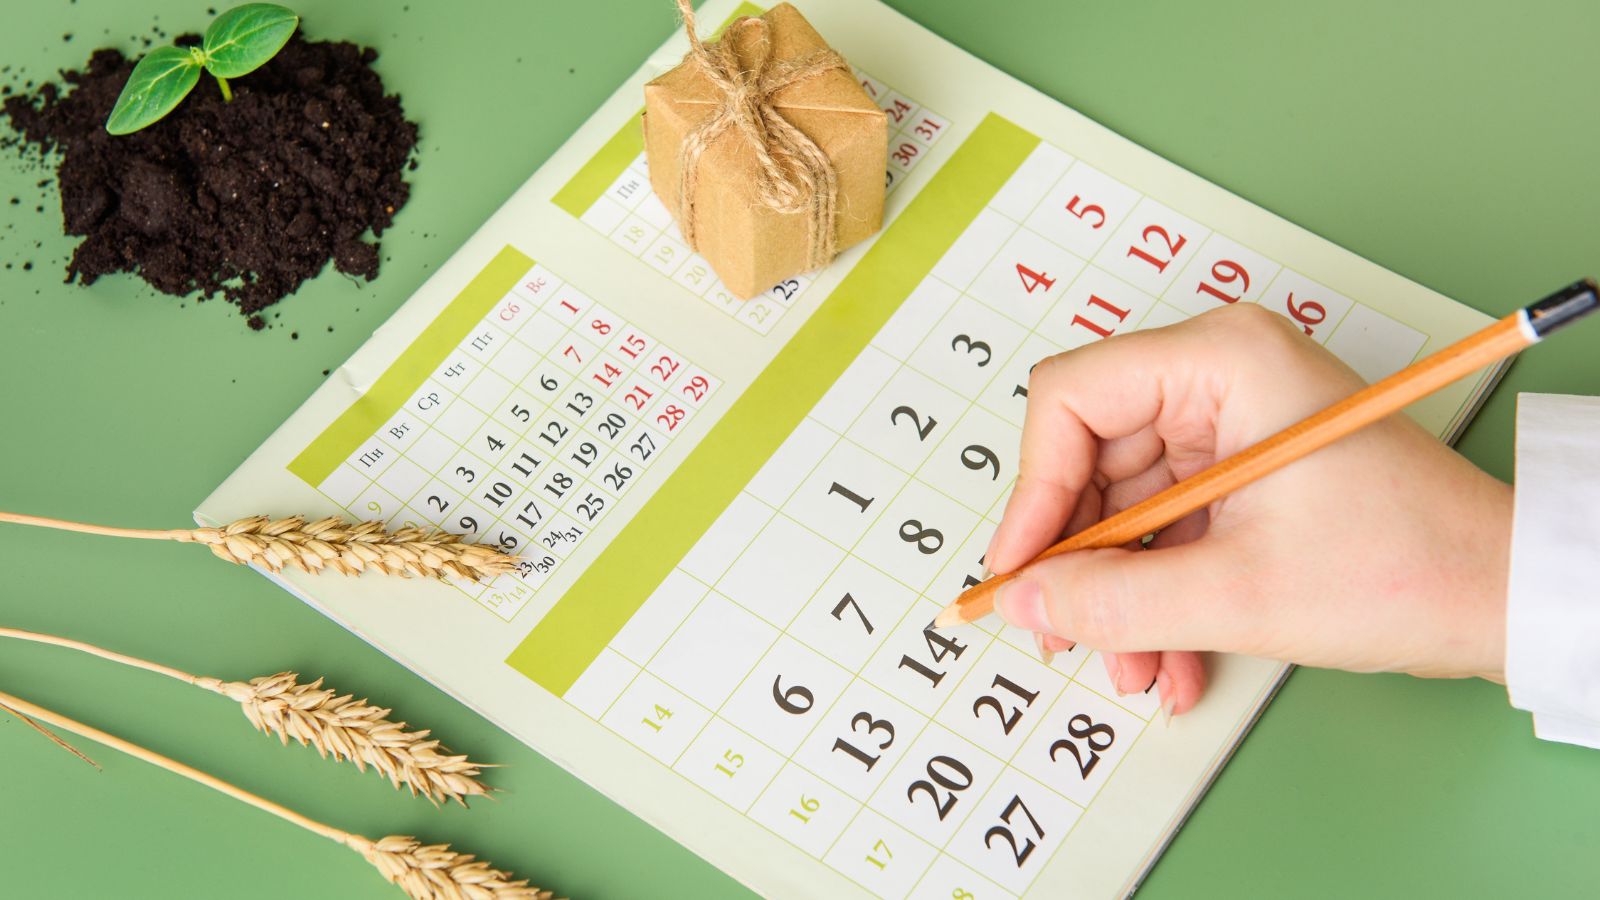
(949,617)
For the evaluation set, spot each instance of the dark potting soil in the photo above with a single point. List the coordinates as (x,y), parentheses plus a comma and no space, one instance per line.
(244,199)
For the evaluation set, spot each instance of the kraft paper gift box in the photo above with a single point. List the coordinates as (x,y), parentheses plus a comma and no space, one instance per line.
(763,105)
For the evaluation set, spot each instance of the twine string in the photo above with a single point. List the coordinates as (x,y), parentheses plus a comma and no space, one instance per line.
(793,175)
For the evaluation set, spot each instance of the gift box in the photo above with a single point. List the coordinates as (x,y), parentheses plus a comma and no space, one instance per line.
(766,149)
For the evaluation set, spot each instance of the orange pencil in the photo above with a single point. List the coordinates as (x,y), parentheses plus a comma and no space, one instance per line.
(1522,328)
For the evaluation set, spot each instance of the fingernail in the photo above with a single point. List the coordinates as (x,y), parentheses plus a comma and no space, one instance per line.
(1021,603)
(1046,655)
(988,554)
(1059,644)
(987,572)
(1168,701)
(1113,670)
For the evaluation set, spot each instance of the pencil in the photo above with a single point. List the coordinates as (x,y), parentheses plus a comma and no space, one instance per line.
(1509,335)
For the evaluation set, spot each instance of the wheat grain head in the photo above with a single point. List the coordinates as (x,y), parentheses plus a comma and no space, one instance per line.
(350,548)
(435,872)
(340,726)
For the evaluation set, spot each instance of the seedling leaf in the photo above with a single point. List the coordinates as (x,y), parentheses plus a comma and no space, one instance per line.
(240,40)
(159,82)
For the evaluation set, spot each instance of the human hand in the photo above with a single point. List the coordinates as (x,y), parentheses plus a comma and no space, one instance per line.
(1385,551)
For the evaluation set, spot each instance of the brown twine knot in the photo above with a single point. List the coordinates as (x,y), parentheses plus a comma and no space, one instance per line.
(793,175)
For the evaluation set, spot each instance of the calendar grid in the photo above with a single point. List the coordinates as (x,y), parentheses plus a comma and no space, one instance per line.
(549,496)
(1008,292)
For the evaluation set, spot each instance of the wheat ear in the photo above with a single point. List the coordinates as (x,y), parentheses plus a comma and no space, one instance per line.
(425,873)
(335,725)
(326,544)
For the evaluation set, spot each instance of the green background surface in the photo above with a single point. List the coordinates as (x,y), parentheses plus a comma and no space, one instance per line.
(1451,142)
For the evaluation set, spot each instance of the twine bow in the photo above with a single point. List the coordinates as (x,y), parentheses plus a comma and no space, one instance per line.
(793,175)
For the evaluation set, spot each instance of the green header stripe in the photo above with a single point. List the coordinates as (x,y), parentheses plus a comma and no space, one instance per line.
(580,193)
(407,373)
(586,186)
(616,584)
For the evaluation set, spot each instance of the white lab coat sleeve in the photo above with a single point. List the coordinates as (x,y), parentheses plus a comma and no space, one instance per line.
(1553,597)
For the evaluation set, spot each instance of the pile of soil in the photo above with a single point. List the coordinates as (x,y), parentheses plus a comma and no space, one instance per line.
(244,199)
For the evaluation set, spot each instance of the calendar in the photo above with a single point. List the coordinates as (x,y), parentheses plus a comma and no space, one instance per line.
(737,520)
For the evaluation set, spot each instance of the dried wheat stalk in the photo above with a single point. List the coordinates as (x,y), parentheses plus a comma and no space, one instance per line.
(335,724)
(330,543)
(435,872)
(432,872)
(349,729)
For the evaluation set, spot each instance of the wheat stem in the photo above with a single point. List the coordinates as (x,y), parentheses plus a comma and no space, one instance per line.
(149,534)
(171,765)
(433,872)
(333,724)
(101,652)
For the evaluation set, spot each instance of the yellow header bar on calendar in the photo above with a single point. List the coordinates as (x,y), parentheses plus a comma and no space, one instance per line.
(402,379)
(615,585)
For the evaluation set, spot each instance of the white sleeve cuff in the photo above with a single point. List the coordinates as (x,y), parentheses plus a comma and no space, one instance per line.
(1553,600)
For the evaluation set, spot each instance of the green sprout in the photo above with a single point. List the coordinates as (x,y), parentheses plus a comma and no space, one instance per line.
(238,42)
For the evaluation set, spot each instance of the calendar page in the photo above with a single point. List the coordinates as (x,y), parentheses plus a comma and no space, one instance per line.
(737,519)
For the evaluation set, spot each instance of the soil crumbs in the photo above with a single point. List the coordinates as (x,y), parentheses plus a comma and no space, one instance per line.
(244,199)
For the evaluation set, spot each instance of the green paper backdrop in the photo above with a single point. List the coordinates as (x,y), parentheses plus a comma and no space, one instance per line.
(1452,142)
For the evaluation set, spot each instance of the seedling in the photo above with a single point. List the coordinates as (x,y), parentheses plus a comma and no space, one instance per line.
(238,42)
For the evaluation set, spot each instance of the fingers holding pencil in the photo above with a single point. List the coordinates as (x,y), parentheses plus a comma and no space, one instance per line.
(1136,421)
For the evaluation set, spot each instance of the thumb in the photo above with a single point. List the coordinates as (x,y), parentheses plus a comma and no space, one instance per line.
(1195,596)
